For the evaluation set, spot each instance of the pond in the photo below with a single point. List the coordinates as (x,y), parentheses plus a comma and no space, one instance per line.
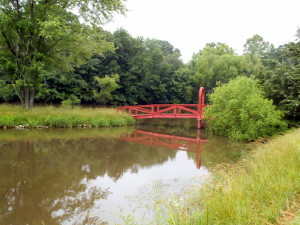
(98,176)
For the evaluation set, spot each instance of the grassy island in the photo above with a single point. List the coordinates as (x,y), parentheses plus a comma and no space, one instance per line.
(260,189)
(42,117)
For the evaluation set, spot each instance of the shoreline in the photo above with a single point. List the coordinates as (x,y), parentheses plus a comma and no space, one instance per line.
(54,117)
(256,190)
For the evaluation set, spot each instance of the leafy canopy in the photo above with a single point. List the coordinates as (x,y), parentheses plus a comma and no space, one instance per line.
(217,62)
(257,46)
(239,111)
(280,79)
(40,36)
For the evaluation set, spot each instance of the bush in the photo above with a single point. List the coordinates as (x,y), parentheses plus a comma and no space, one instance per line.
(239,111)
(72,100)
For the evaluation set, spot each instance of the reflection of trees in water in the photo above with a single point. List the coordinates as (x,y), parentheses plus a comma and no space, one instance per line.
(77,203)
(48,181)
(220,150)
(33,203)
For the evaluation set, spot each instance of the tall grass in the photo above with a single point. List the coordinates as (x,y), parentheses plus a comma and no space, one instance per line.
(64,133)
(254,191)
(11,116)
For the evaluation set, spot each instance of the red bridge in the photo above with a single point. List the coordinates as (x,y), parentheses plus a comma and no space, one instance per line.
(169,110)
(168,141)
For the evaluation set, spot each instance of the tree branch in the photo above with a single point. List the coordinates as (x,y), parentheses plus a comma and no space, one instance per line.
(9,44)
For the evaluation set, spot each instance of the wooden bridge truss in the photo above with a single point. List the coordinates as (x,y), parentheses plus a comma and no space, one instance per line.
(169,110)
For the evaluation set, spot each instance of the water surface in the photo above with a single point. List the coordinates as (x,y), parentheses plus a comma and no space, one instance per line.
(96,176)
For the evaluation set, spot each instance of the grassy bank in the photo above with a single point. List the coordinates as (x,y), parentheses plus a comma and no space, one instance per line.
(257,190)
(62,134)
(49,116)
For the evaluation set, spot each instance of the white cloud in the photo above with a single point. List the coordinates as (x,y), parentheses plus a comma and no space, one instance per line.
(188,25)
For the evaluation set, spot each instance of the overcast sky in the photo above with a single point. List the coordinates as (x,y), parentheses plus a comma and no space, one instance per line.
(189,24)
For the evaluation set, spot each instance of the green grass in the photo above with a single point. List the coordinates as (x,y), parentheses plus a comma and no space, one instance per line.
(63,134)
(12,116)
(254,191)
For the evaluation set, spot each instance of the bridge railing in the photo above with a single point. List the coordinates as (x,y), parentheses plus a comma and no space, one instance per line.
(168,110)
(173,110)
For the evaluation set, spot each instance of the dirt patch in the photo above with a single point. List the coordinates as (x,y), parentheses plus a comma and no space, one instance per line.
(289,214)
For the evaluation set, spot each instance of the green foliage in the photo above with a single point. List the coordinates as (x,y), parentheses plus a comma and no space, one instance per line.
(37,36)
(257,46)
(239,111)
(59,86)
(181,88)
(282,86)
(218,63)
(6,91)
(277,71)
(281,79)
(150,71)
(107,86)
(72,100)
(146,69)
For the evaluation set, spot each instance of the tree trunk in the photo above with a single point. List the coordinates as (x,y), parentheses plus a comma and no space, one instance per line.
(31,98)
(27,97)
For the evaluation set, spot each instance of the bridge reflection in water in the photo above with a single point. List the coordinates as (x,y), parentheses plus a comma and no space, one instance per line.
(168,141)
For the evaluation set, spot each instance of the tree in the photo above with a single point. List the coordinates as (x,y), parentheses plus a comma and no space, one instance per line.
(257,46)
(282,86)
(280,78)
(58,86)
(146,69)
(281,81)
(37,36)
(239,111)
(216,63)
(107,86)
(181,86)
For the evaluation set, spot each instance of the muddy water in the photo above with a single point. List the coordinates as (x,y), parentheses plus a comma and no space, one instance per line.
(98,176)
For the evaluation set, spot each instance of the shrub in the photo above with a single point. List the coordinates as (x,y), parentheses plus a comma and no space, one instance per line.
(72,100)
(239,111)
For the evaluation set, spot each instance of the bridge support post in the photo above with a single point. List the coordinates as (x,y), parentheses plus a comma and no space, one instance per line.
(199,123)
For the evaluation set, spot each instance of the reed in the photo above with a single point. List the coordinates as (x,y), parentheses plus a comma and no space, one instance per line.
(49,116)
(256,190)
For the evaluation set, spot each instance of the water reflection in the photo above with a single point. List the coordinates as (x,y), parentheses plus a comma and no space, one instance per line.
(74,176)
(167,141)
(54,181)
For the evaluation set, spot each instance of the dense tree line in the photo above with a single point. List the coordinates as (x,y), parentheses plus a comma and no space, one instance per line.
(142,71)
(40,61)
(139,71)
